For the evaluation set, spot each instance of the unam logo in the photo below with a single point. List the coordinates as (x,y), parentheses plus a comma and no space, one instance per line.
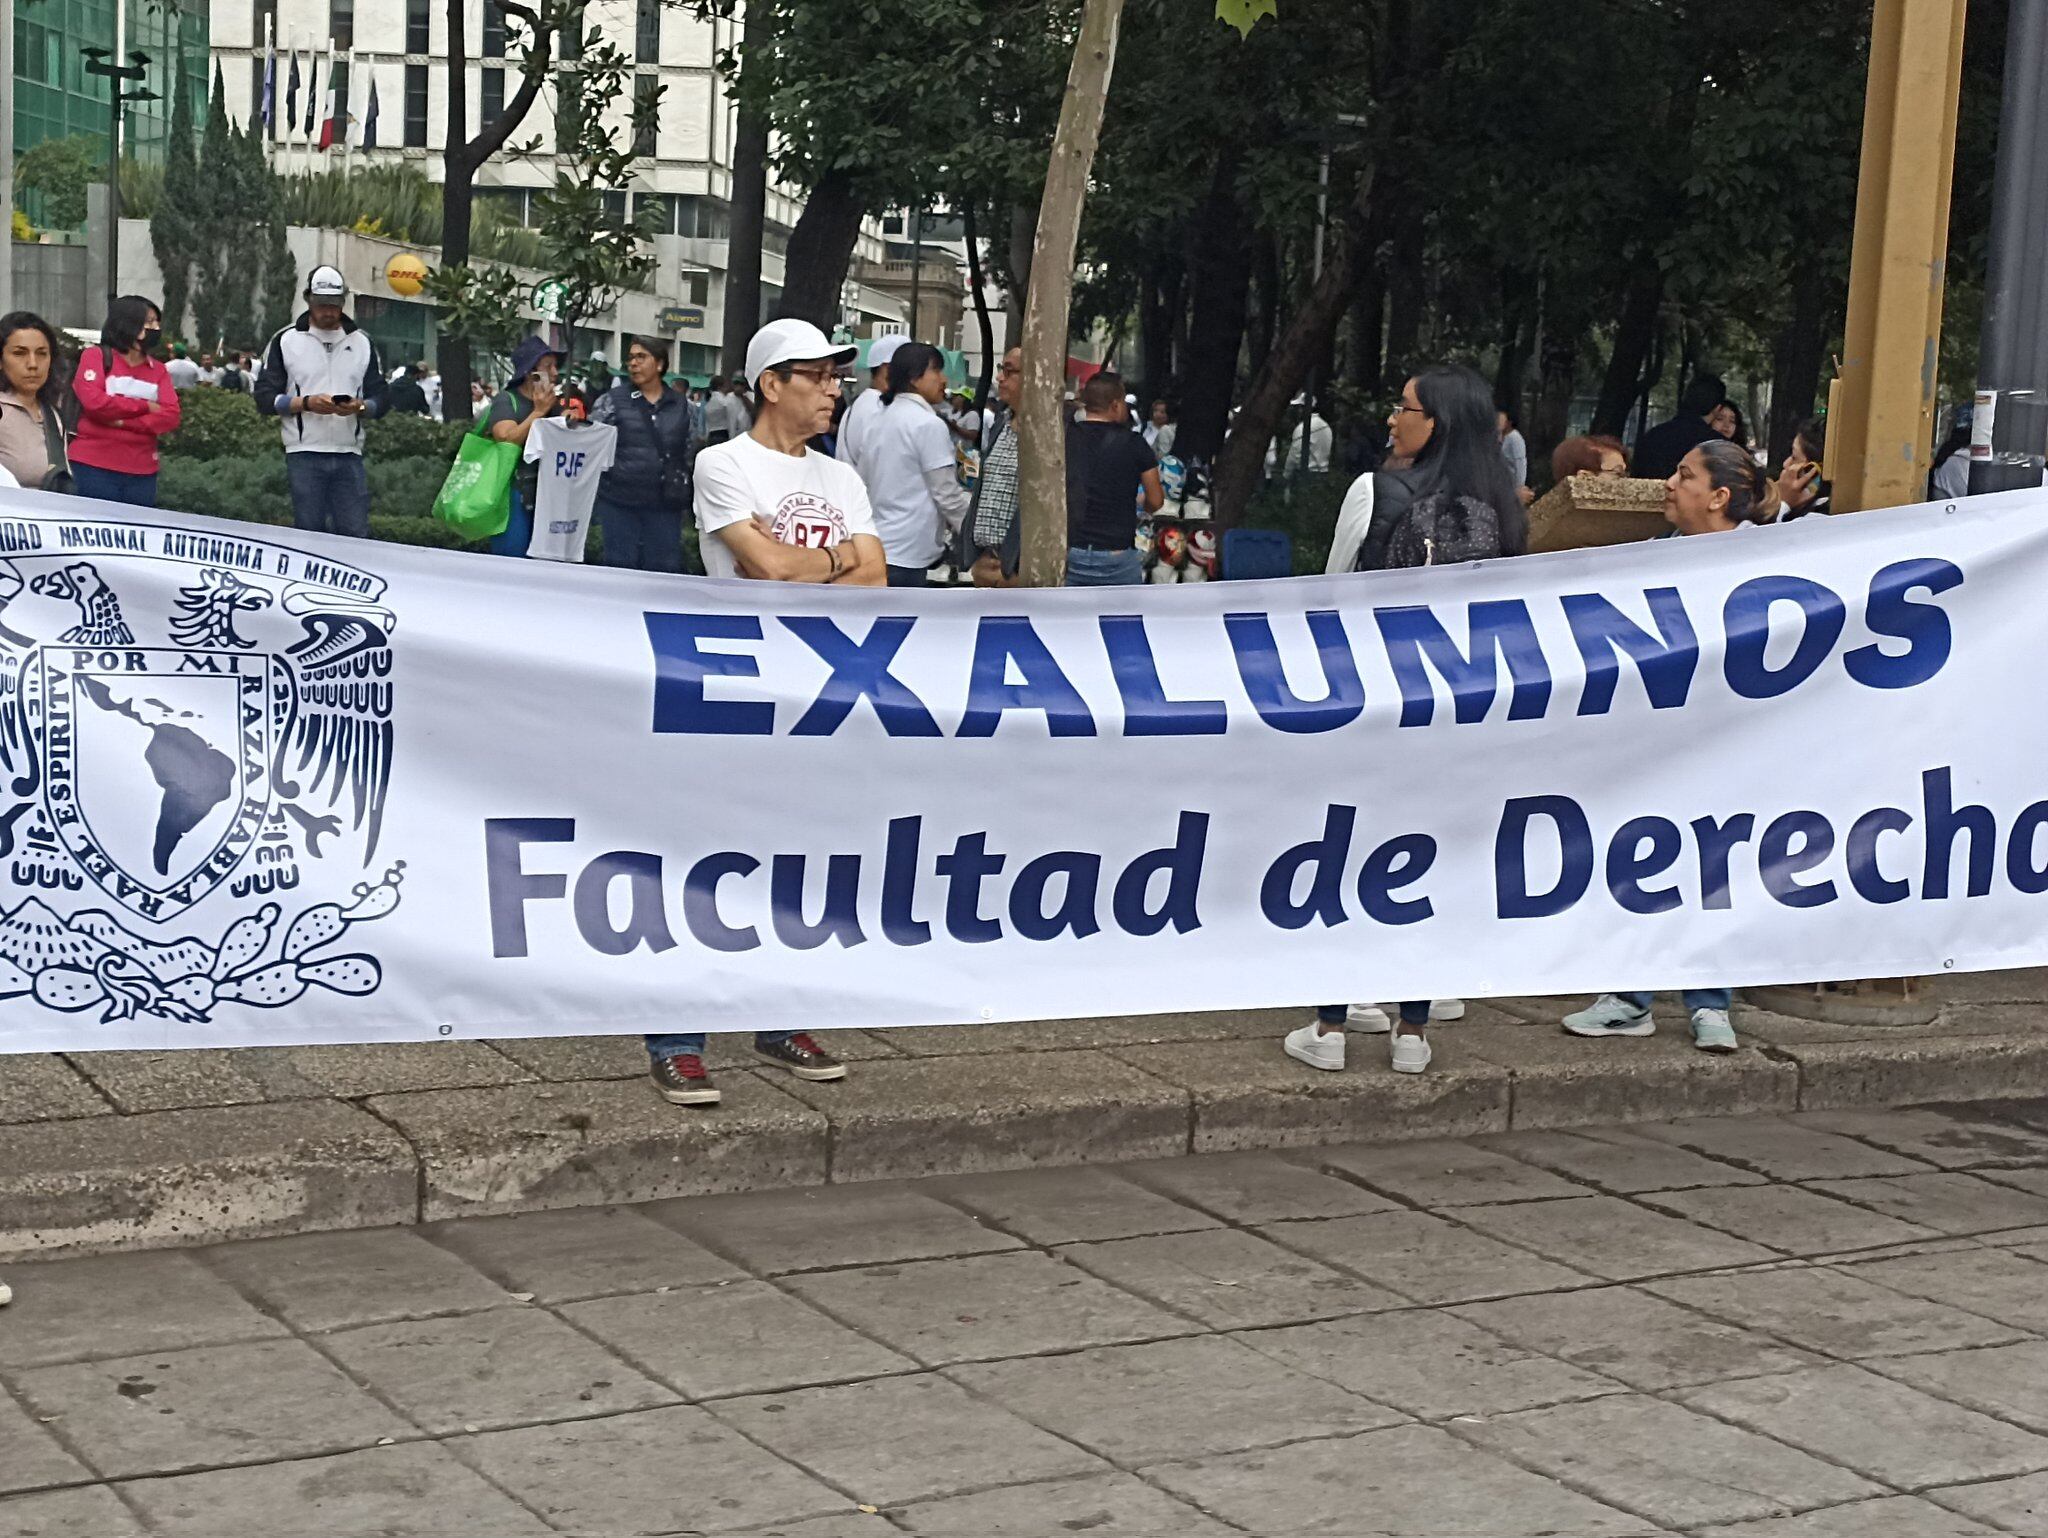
(186,718)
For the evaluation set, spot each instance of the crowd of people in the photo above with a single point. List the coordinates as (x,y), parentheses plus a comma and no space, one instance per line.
(788,478)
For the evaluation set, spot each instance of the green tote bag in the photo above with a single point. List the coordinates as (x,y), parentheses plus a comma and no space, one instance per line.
(475,500)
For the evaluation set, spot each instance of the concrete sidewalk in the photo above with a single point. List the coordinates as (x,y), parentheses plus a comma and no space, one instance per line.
(1812,1325)
(112,1150)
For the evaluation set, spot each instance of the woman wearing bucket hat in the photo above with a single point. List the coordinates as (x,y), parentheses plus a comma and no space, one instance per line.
(528,398)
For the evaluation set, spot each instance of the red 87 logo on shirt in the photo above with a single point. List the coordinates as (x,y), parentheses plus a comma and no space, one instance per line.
(808,522)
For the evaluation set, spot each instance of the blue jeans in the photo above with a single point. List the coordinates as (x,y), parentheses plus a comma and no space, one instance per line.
(1692,998)
(1413,1012)
(691,1043)
(518,528)
(1104,568)
(112,485)
(909,576)
(642,538)
(330,493)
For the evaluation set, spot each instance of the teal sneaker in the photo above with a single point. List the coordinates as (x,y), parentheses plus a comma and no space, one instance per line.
(1610,1015)
(1711,1031)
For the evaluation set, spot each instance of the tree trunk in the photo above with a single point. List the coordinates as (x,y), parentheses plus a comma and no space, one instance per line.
(1633,336)
(982,322)
(1406,296)
(1564,335)
(1048,309)
(1798,358)
(1023,237)
(821,248)
(1219,275)
(1267,284)
(1159,307)
(749,210)
(1517,338)
(1242,462)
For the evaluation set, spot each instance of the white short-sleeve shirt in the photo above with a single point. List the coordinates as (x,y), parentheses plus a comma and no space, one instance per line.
(809,499)
(902,445)
(573,458)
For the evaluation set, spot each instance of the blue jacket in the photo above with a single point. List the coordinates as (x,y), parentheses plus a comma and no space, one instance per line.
(651,437)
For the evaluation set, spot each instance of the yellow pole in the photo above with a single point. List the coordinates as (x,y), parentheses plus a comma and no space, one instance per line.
(1881,437)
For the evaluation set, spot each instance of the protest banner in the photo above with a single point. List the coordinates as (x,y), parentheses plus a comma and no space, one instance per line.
(263,787)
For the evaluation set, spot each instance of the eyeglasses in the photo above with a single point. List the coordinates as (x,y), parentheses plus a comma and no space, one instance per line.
(823,375)
(1009,368)
(1401,406)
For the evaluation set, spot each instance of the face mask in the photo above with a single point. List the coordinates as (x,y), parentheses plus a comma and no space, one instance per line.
(150,338)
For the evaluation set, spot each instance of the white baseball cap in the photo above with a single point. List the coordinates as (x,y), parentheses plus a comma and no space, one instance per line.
(882,349)
(792,341)
(326,283)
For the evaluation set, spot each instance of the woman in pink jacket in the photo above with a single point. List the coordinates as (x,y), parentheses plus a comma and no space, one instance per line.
(126,402)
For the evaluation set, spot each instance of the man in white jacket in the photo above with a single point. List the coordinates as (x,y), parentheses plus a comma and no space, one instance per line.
(322,379)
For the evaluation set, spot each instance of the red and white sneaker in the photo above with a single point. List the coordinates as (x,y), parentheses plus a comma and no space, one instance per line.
(801,1056)
(683,1081)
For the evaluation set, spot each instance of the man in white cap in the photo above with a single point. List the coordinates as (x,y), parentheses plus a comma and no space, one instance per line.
(770,508)
(867,405)
(321,378)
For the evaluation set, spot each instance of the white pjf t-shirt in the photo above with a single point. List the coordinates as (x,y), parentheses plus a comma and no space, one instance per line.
(809,499)
(902,444)
(572,457)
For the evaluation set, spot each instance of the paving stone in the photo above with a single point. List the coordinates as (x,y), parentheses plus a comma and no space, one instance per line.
(209,1405)
(1070,1206)
(727,1050)
(2010,1382)
(1895,1068)
(962,1115)
(732,1338)
(1254,1187)
(1106,1503)
(1948,1203)
(574,1059)
(1412,1480)
(177,1081)
(1672,1465)
(1423,1257)
(854,1524)
(186,1177)
(580,1252)
(392,1067)
(1615,1159)
(985,1306)
(505,1367)
(2014,1505)
(841,1225)
(1144,1404)
(1436,1173)
(1429,1363)
(1107,1031)
(324,1281)
(1612,1238)
(1228,1279)
(892,1440)
(1781,1149)
(1250,1094)
(413,1491)
(2006,1285)
(1645,1341)
(90,1512)
(1891,1516)
(46,1088)
(1887,1430)
(2035,1181)
(522,1147)
(1565,1081)
(33,1456)
(114,1305)
(1789,1219)
(1954,1137)
(653,1471)
(1834,1312)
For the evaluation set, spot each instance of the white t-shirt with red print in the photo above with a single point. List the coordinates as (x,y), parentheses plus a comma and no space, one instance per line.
(809,499)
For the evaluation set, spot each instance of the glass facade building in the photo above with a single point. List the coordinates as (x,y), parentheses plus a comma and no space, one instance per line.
(54,98)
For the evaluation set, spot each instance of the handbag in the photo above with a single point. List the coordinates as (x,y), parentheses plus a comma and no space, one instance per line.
(475,500)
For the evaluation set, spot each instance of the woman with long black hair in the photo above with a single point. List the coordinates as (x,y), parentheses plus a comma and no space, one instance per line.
(33,439)
(126,404)
(1456,502)
(906,459)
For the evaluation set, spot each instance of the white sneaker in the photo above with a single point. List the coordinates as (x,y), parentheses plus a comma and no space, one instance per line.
(1311,1045)
(1411,1053)
(1368,1020)
(1446,1009)
(1609,1015)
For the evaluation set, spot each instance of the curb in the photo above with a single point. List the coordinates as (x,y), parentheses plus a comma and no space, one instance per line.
(578,1125)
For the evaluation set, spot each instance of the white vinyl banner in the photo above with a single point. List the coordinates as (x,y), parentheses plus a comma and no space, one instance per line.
(266,787)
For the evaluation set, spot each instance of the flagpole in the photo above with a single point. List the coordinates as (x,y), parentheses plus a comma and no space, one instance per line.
(348,115)
(269,106)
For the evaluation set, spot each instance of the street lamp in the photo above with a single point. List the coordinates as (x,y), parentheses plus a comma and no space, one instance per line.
(100,61)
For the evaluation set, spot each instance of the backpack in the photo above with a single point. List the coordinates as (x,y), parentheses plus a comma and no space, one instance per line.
(1443,530)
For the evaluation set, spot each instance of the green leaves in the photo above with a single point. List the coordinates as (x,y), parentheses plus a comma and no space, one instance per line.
(1245,14)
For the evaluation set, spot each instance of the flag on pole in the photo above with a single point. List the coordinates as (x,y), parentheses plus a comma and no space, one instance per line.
(370,117)
(331,124)
(291,94)
(270,93)
(313,88)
